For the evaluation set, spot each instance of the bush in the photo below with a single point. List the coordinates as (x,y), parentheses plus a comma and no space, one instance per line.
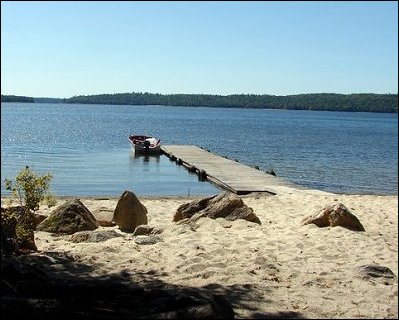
(30,189)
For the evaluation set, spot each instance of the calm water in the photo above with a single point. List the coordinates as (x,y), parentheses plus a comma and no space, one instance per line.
(86,148)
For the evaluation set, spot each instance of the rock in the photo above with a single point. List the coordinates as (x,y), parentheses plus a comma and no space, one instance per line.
(104,217)
(187,210)
(142,230)
(129,212)
(374,271)
(335,215)
(39,218)
(69,218)
(151,239)
(94,236)
(146,230)
(224,205)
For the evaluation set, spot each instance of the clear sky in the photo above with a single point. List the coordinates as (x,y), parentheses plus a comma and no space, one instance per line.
(61,49)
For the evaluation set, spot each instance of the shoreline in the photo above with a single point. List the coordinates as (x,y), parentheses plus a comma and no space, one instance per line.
(283,190)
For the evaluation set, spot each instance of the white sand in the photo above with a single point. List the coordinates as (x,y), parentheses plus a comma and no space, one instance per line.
(279,266)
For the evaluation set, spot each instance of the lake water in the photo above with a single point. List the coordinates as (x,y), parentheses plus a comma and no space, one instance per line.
(86,148)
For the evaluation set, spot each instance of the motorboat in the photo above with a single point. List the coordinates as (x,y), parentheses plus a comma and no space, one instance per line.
(145,144)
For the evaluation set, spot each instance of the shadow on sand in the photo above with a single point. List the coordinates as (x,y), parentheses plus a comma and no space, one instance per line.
(54,286)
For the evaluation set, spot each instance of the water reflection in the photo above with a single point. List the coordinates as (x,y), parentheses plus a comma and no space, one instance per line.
(158,172)
(145,158)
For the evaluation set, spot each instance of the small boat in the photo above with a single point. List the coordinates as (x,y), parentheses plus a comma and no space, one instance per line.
(145,144)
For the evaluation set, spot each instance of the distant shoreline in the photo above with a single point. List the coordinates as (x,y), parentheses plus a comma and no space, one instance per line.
(364,102)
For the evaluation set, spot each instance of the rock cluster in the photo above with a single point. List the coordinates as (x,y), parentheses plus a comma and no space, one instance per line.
(224,205)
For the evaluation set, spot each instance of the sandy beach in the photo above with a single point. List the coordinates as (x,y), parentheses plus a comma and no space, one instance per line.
(280,268)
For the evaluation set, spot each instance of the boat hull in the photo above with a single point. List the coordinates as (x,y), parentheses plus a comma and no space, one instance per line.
(145,145)
(142,150)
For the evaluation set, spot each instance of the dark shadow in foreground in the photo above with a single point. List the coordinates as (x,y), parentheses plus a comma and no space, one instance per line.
(58,286)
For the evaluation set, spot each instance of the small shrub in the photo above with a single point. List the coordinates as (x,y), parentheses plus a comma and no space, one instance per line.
(30,189)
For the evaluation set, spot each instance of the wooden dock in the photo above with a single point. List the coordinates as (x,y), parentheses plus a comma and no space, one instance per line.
(225,173)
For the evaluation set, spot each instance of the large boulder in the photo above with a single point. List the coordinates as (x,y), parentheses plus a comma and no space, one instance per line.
(224,205)
(129,212)
(69,218)
(335,215)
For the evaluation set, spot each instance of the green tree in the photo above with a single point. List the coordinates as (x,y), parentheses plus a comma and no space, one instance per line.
(368,102)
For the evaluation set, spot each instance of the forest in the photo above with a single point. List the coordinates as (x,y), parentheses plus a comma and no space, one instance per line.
(9,98)
(361,102)
(323,101)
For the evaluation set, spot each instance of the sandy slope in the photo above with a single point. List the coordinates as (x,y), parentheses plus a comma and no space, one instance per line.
(278,268)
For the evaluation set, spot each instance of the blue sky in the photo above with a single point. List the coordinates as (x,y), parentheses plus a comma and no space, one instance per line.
(61,49)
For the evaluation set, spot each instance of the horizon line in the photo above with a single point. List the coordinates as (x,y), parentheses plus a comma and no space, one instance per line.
(206,94)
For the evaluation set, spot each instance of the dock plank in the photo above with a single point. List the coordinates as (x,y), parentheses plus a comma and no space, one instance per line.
(228,174)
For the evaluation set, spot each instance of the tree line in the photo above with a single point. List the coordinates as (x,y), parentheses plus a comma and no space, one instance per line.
(362,102)
(10,98)
(322,101)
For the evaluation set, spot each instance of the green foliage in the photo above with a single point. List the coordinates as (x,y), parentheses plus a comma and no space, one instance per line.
(10,98)
(19,222)
(29,187)
(367,102)
(358,102)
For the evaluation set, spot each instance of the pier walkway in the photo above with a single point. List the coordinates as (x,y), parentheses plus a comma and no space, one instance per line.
(225,173)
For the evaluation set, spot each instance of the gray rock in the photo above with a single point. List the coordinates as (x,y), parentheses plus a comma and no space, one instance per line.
(69,218)
(146,230)
(374,271)
(94,236)
(145,240)
(225,205)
